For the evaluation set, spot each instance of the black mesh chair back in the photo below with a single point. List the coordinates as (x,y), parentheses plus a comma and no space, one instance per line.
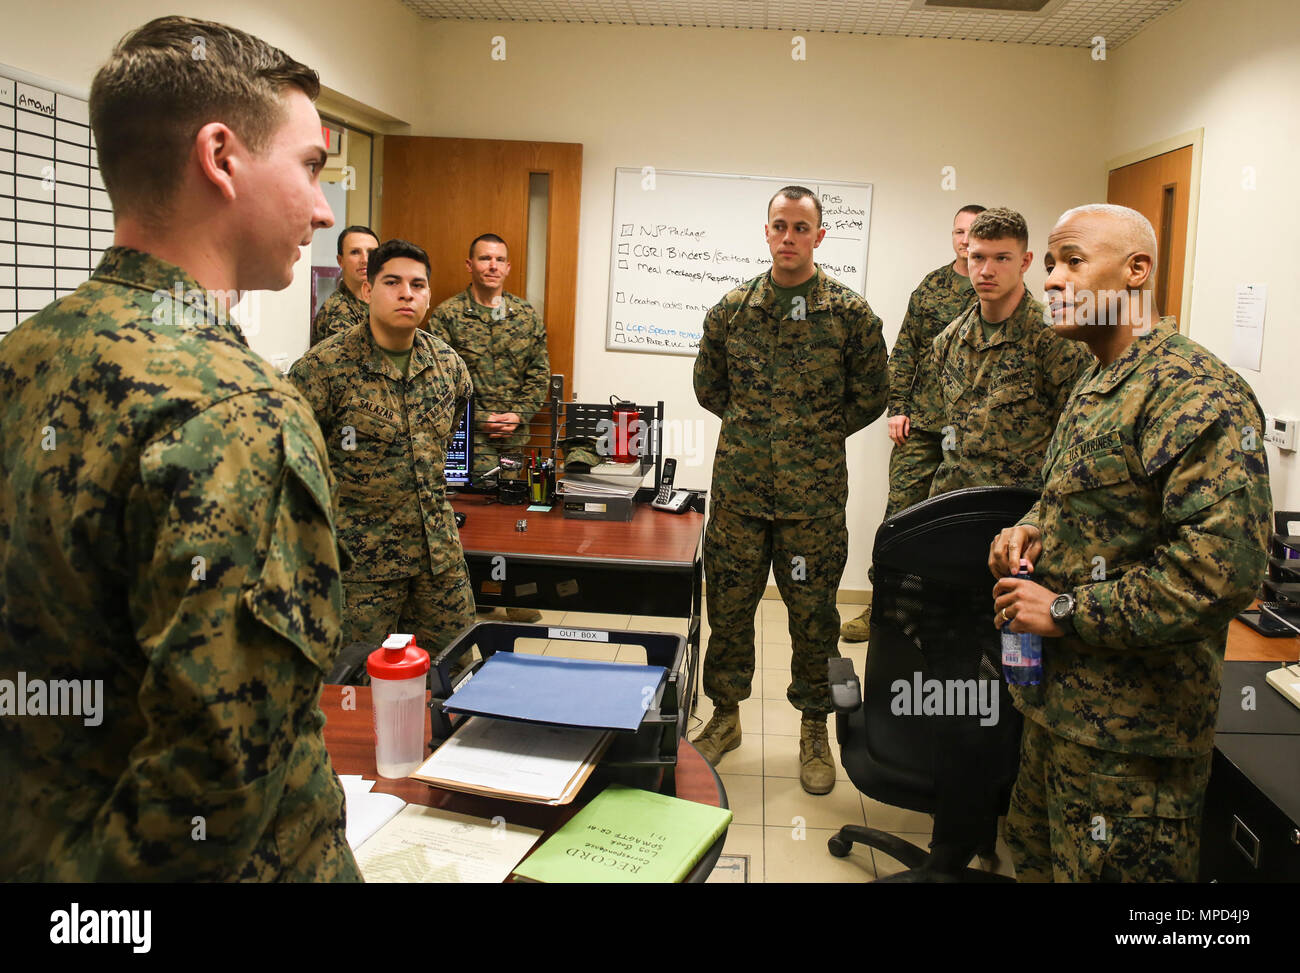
(953,754)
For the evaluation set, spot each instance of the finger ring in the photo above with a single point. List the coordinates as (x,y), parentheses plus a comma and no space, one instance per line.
(1003,613)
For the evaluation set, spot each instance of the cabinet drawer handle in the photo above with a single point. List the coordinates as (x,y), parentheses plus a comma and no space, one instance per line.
(1251,856)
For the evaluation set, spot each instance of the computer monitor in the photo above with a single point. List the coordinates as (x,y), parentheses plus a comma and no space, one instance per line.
(460,451)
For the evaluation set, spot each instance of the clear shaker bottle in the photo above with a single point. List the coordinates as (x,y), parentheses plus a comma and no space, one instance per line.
(398,676)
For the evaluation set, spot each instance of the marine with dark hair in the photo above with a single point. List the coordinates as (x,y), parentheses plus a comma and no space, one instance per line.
(346,307)
(166,522)
(388,397)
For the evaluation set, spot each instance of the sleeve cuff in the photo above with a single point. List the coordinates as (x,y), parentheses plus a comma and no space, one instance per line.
(1085,610)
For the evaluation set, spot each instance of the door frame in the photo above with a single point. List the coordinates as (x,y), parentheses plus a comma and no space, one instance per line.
(1195,138)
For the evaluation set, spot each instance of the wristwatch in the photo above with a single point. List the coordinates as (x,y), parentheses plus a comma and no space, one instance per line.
(1062,612)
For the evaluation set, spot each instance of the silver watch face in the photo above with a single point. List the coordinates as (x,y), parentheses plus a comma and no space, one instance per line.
(1061,606)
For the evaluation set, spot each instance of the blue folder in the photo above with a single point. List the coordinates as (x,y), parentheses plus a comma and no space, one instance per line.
(564,692)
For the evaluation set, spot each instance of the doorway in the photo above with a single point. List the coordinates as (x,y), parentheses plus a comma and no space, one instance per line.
(1162,184)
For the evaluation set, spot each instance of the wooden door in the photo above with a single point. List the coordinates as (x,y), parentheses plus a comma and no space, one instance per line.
(441,193)
(1160,189)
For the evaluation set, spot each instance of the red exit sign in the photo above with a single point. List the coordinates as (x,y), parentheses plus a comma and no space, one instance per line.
(333,139)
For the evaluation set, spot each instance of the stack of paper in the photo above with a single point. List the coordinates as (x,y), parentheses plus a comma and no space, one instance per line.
(584,485)
(366,812)
(517,761)
(425,844)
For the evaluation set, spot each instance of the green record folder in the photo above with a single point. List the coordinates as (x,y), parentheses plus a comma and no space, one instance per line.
(628,835)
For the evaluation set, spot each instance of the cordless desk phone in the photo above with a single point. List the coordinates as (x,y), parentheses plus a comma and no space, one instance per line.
(666,499)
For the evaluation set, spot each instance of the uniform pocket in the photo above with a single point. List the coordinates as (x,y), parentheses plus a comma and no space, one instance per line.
(1006,396)
(370,428)
(745,358)
(1133,822)
(1105,468)
(818,377)
(1014,424)
(437,420)
(362,456)
(954,386)
(1121,827)
(299,593)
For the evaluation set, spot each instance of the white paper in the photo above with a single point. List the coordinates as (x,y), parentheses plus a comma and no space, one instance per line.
(581,485)
(521,758)
(1248,326)
(366,812)
(425,844)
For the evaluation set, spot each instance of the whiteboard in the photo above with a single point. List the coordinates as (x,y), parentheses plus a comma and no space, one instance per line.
(681,240)
(55,217)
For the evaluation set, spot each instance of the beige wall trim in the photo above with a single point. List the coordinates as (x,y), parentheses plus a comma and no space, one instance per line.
(1195,138)
(352,112)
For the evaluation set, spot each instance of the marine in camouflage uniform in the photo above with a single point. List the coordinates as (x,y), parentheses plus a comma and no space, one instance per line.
(999,391)
(166,528)
(387,437)
(505,350)
(940,297)
(1155,514)
(341,312)
(788,391)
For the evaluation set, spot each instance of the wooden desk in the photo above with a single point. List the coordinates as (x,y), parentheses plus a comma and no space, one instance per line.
(650,565)
(350,740)
(1247,645)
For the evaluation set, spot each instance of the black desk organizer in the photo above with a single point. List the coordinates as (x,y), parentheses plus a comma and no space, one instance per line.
(637,758)
(592,419)
(1281,588)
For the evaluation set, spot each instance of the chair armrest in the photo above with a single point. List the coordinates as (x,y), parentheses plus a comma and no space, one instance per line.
(846,691)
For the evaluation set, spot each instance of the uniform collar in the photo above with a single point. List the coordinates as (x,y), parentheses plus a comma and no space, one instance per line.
(349,296)
(764,295)
(958,282)
(509,305)
(1108,377)
(362,348)
(1012,329)
(185,298)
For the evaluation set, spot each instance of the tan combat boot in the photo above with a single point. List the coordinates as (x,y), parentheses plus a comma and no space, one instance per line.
(527,616)
(722,733)
(816,765)
(857,629)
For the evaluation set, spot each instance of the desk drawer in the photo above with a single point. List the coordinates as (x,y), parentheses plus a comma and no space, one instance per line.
(1245,835)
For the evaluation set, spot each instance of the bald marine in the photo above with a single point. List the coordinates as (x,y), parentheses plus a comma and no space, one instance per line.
(1101,262)
(1157,476)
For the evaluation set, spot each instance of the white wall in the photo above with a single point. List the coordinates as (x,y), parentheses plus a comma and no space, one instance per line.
(1028,127)
(1234,69)
(365,53)
(889,111)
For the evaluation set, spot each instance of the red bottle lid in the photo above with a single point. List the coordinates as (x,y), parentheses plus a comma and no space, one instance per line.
(398,658)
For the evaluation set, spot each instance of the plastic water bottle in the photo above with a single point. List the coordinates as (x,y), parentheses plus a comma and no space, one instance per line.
(398,672)
(1022,652)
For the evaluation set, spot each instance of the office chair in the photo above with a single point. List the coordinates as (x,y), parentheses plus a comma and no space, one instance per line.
(932,619)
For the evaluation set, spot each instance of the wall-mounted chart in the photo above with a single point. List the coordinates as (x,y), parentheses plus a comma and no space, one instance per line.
(55,217)
(681,240)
